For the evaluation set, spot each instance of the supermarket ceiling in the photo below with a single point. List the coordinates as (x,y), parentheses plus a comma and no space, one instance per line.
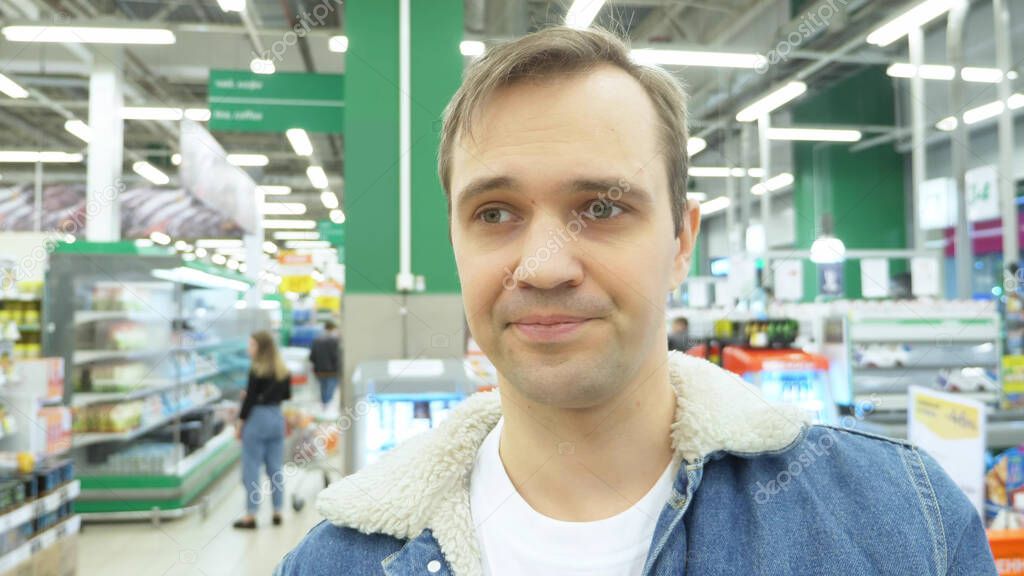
(57,75)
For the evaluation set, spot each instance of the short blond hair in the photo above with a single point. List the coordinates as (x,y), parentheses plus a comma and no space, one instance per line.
(560,51)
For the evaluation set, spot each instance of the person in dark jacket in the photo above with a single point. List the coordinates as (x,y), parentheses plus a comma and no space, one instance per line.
(261,426)
(325,354)
(679,338)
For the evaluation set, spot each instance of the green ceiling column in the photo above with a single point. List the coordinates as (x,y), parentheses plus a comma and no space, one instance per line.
(864,191)
(372,141)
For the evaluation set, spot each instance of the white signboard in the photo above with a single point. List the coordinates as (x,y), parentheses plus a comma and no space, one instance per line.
(982,193)
(874,277)
(924,276)
(936,205)
(789,280)
(952,430)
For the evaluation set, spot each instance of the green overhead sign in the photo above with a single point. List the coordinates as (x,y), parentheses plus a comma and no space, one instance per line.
(241,101)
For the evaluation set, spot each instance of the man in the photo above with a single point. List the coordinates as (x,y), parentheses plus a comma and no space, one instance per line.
(679,339)
(324,354)
(565,166)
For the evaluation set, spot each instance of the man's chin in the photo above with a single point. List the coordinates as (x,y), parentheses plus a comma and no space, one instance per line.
(570,379)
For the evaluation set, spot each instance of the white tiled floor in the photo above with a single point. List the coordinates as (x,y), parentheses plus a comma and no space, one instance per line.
(194,546)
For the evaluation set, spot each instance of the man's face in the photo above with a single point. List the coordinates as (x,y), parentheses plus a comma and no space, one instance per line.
(564,237)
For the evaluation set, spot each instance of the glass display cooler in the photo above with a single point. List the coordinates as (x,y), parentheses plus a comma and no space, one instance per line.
(397,399)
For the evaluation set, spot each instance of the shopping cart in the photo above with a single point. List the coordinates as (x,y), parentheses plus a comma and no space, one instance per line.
(314,442)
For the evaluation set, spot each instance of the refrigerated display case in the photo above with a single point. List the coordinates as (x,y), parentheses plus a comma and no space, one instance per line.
(397,399)
(156,353)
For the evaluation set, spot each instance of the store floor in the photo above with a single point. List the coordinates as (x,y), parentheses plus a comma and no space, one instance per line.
(196,546)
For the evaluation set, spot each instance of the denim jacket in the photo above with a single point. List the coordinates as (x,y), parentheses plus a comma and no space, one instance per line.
(758,492)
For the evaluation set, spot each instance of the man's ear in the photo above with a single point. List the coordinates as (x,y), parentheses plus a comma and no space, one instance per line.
(686,241)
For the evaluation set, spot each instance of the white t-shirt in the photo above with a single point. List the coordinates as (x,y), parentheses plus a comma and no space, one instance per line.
(515,539)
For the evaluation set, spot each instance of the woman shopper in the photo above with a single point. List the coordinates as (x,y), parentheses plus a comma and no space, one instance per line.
(261,426)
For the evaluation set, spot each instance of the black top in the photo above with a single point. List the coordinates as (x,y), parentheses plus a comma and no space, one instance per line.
(265,391)
(324,354)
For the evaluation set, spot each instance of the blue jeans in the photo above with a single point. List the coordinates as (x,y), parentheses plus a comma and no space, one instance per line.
(263,444)
(328,384)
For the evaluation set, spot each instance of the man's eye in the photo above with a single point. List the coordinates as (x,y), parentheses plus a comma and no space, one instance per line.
(494,216)
(603,209)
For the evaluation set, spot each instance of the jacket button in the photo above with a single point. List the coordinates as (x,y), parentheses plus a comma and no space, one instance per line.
(433,566)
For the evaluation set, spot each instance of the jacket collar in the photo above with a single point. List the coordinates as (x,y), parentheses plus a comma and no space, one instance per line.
(424,483)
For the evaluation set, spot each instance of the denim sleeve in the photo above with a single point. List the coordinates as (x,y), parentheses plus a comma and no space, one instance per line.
(967,548)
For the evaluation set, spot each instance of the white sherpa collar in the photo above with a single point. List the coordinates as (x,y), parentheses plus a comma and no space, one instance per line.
(424,483)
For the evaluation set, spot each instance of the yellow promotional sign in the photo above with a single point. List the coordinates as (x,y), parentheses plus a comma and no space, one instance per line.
(332,303)
(299,284)
(948,420)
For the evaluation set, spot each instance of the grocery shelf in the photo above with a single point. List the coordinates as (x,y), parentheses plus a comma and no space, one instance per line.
(20,298)
(86,316)
(87,438)
(40,506)
(210,345)
(29,327)
(150,388)
(94,356)
(44,540)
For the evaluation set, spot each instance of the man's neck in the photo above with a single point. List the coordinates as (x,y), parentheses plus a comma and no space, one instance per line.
(589,464)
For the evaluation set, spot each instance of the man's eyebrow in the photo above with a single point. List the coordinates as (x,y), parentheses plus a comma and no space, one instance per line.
(485,185)
(611,188)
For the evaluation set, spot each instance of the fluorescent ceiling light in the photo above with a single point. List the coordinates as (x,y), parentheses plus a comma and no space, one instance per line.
(269,247)
(771,102)
(11,88)
(317,177)
(198,114)
(723,172)
(144,243)
(219,259)
(947,124)
(652,56)
(582,13)
(151,113)
(695,145)
(31,157)
(186,275)
(926,71)
(80,129)
(296,235)
(299,141)
(232,264)
(698,196)
(982,75)
(289,224)
(337,216)
(262,66)
(916,17)
(291,244)
(338,44)
(714,205)
(283,208)
(219,243)
(201,252)
(472,48)
(276,190)
(232,5)
(151,173)
(814,134)
(176,159)
(330,199)
(88,35)
(828,250)
(981,113)
(160,238)
(182,246)
(984,112)
(945,72)
(248,160)
(774,183)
